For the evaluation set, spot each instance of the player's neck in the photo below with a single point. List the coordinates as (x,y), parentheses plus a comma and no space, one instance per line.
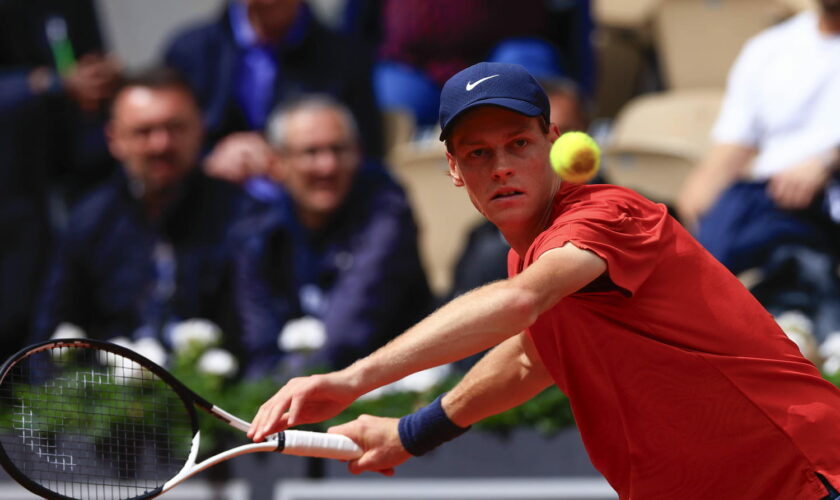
(521,236)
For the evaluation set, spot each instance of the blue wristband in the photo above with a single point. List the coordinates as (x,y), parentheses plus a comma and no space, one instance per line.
(427,428)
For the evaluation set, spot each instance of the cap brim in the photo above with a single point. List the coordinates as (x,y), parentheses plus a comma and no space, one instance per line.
(518,105)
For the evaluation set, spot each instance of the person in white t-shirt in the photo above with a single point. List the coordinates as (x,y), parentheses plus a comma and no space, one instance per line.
(761,196)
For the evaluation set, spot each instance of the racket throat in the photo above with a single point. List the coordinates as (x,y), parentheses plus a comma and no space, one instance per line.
(189,467)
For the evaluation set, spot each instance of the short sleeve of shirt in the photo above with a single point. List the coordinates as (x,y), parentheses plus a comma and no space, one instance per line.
(628,235)
(738,121)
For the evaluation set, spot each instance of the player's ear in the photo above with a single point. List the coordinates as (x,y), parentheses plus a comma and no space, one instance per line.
(553,132)
(453,170)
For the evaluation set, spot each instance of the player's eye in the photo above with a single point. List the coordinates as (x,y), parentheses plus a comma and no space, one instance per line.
(477,153)
(520,143)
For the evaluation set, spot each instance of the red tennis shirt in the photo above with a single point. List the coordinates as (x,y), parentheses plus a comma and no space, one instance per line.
(682,385)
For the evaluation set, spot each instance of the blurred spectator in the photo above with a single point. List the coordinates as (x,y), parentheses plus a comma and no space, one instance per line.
(334,263)
(54,82)
(570,108)
(257,54)
(424,42)
(761,197)
(147,248)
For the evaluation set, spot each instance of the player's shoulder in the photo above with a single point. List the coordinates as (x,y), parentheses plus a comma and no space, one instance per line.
(577,201)
(606,209)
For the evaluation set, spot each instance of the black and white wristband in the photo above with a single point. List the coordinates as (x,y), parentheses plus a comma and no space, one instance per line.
(427,428)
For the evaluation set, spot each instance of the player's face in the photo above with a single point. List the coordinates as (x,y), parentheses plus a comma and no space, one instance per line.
(501,157)
(156,134)
(317,163)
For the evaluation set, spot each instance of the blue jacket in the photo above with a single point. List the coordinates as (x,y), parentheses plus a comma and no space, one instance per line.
(106,279)
(322,62)
(361,275)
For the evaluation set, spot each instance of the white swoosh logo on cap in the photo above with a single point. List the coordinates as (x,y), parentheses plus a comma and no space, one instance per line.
(471,85)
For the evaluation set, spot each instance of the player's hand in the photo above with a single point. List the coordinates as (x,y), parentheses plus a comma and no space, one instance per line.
(380,440)
(796,187)
(303,400)
(239,156)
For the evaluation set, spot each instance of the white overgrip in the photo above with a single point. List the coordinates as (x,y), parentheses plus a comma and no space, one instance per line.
(320,444)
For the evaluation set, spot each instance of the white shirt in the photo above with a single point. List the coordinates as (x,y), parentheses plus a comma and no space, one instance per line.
(783,96)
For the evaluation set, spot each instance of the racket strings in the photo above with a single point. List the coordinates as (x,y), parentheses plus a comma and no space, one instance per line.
(92,424)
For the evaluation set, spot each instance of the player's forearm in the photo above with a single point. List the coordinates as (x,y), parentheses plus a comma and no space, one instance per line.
(469,324)
(479,319)
(506,377)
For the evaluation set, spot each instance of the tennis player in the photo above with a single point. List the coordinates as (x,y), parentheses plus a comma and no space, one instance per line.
(681,384)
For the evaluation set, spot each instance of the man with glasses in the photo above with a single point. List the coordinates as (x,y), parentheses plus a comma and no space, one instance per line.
(331,270)
(146,249)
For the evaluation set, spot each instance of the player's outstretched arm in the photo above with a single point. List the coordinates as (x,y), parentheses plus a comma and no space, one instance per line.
(507,376)
(469,324)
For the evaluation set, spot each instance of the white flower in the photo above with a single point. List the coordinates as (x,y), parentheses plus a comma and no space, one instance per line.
(107,358)
(200,332)
(795,320)
(151,349)
(129,372)
(831,346)
(424,380)
(68,331)
(799,328)
(302,334)
(124,370)
(416,382)
(378,393)
(65,331)
(218,362)
(122,342)
(831,365)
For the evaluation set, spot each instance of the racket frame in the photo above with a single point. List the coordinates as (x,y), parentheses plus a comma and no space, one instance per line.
(300,442)
(187,397)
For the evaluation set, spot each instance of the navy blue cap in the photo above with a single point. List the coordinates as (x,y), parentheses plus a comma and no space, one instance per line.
(489,83)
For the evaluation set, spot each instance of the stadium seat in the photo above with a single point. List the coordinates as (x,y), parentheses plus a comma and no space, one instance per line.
(398,128)
(629,14)
(443,212)
(657,138)
(697,40)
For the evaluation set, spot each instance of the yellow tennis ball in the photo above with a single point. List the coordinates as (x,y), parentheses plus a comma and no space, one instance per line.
(575,157)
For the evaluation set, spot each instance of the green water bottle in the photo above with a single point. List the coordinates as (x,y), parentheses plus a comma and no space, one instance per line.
(60,46)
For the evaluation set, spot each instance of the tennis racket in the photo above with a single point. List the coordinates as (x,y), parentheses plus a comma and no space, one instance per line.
(83,419)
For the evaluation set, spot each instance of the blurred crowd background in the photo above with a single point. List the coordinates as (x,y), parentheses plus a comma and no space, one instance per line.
(271,167)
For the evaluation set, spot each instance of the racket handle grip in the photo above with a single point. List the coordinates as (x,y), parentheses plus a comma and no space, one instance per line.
(318,444)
